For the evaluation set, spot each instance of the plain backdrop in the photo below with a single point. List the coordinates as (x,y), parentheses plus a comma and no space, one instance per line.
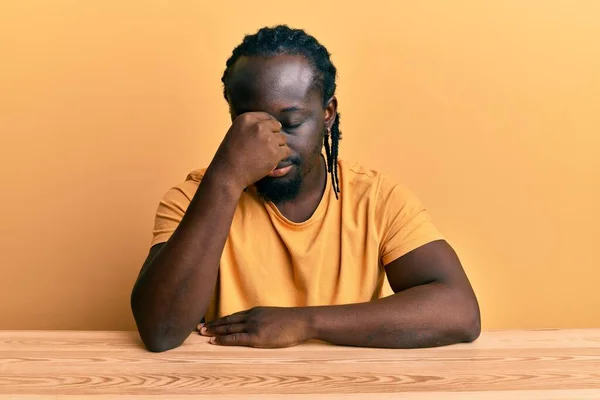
(488,110)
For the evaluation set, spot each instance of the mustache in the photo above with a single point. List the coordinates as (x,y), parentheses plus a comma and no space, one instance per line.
(295,159)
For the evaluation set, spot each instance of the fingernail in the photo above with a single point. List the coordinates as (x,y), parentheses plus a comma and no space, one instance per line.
(199,327)
(203,330)
(212,340)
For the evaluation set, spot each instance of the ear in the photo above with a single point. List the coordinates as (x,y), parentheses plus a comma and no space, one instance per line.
(331,112)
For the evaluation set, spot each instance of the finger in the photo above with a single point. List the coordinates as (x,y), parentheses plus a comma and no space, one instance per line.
(262,116)
(274,124)
(285,151)
(230,319)
(280,138)
(235,339)
(223,330)
(200,324)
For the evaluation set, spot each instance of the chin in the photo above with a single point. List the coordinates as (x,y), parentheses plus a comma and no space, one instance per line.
(282,189)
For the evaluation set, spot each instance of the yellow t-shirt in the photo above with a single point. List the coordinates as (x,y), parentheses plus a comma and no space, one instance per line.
(335,257)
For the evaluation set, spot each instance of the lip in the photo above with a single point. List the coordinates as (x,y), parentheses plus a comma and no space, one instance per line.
(283,164)
(281,171)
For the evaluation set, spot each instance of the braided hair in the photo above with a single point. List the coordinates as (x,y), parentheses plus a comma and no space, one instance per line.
(283,40)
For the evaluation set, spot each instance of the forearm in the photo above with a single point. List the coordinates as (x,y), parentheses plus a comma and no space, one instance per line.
(173,292)
(422,316)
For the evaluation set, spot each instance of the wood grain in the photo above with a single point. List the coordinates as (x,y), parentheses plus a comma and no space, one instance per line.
(552,364)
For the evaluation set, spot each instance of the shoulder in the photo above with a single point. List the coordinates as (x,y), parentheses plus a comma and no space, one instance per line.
(400,220)
(186,189)
(362,181)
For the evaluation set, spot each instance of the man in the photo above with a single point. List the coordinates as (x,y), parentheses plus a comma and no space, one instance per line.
(275,244)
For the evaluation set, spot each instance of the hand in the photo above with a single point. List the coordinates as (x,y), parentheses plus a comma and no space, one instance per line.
(266,327)
(252,148)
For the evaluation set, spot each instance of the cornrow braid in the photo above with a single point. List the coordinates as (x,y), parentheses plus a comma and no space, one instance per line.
(283,40)
(331,151)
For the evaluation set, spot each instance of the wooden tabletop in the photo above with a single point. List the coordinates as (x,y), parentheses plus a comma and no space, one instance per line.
(548,364)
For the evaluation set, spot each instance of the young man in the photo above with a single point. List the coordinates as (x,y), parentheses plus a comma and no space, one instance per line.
(275,243)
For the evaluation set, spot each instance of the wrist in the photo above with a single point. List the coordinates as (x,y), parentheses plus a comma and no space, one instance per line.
(221,179)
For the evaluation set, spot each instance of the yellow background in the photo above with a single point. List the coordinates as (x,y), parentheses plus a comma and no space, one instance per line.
(488,110)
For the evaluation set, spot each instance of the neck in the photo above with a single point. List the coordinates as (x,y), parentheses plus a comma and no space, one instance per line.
(303,206)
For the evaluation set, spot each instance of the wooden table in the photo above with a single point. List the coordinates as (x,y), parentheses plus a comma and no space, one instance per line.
(549,364)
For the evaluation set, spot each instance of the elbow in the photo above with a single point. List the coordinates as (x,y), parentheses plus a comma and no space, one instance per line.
(465,327)
(157,344)
(156,337)
(470,326)
(472,331)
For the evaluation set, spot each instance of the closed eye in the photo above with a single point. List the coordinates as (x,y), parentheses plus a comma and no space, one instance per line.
(291,127)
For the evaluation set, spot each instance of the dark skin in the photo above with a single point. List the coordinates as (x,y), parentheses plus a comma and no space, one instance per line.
(278,114)
(283,87)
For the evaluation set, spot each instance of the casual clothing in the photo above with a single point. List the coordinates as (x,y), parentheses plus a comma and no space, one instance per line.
(335,257)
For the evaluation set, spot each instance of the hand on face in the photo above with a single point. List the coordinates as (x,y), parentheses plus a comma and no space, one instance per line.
(266,327)
(251,149)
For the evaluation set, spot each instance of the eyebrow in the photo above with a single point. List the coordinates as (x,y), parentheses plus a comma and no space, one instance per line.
(286,110)
(291,109)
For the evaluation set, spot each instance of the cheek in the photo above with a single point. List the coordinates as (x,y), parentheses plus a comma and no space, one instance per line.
(308,139)
(316,140)
(306,146)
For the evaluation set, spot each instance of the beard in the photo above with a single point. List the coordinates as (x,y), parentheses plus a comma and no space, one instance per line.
(285,188)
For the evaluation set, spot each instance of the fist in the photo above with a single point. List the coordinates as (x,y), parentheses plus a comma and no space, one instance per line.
(251,149)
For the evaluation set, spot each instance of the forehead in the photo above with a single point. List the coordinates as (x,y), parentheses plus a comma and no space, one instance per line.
(260,83)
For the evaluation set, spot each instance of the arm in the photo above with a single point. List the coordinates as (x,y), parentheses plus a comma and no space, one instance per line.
(176,283)
(433,305)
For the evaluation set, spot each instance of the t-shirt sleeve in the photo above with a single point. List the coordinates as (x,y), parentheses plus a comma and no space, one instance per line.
(405,223)
(171,210)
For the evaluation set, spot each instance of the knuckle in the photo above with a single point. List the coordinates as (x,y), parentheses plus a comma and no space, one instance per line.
(263,126)
(258,128)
